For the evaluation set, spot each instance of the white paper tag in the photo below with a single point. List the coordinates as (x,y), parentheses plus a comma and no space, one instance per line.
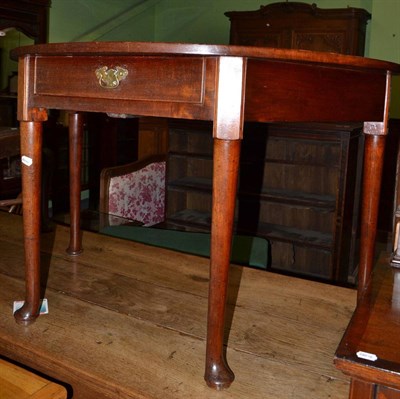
(44,307)
(367,356)
(26,160)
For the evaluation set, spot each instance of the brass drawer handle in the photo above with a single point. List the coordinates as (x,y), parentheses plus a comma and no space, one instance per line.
(110,78)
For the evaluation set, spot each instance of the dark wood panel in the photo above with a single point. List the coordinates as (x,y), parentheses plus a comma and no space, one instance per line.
(300,92)
(197,103)
(144,79)
(387,393)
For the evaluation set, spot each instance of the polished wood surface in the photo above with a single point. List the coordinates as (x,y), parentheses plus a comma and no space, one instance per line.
(127,320)
(374,329)
(225,84)
(18,383)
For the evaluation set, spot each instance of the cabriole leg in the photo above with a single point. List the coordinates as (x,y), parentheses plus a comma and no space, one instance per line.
(373,164)
(31,165)
(218,375)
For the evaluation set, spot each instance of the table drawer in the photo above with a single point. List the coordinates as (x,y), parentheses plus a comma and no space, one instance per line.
(124,78)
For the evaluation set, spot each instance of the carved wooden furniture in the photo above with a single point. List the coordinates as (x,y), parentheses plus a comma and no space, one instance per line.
(369,350)
(314,229)
(223,84)
(301,26)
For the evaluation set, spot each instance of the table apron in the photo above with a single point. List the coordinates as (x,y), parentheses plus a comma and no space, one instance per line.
(184,87)
(164,86)
(284,91)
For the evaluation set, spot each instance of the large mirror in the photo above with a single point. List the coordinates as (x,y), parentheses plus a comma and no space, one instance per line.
(9,39)
(9,166)
(22,22)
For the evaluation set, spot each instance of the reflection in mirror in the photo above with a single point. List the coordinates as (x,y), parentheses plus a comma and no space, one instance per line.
(9,39)
(10,165)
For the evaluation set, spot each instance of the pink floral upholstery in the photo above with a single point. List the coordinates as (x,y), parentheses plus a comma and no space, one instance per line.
(139,195)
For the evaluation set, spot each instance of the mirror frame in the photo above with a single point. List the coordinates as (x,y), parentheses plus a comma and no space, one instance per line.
(27,16)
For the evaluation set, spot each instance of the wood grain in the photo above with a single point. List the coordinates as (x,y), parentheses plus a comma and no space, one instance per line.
(374,329)
(18,383)
(128,320)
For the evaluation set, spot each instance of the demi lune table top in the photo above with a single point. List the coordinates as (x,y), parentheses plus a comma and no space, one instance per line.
(156,48)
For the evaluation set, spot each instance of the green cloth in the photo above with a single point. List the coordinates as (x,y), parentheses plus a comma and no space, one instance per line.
(246,250)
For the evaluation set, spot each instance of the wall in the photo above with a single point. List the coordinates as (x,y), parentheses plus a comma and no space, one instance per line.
(205,21)
(157,20)
(90,20)
(198,21)
(385,41)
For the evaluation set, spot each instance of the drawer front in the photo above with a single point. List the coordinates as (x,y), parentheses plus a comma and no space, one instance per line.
(158,79)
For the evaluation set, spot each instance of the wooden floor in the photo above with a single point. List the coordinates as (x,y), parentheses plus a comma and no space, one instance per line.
(18,383)
(128,321)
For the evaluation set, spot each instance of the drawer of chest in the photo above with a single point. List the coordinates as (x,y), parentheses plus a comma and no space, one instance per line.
(168,79)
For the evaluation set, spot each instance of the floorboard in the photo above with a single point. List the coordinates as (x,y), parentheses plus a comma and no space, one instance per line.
(128,321)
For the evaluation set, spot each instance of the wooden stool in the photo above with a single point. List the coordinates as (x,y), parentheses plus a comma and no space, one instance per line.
(17,383)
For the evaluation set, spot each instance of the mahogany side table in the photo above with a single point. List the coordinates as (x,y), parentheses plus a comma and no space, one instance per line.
(223,84)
